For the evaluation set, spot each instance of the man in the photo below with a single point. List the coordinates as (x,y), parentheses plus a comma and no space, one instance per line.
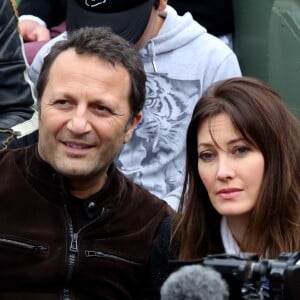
(17,115)
(181,61)
(72,226)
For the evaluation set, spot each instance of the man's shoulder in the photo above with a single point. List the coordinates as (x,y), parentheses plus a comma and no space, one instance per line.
(7,156)
(142,199)
(10,157)
(14,166)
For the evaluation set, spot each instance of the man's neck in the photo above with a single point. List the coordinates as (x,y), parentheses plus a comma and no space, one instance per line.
(83,189)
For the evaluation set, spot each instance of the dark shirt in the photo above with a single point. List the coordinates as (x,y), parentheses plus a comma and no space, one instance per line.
(53,12)
(215,15)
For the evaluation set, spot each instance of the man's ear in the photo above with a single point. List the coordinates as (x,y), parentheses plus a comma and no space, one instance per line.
(162,5)
(131,127)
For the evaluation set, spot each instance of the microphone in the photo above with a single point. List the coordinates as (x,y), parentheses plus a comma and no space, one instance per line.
(194,282)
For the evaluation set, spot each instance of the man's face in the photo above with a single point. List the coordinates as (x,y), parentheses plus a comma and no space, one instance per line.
(154,24)
(85,117)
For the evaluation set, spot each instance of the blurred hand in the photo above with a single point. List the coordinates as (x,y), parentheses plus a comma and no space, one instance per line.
(32,31)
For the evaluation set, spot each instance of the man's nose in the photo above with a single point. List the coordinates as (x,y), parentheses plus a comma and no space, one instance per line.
(79,123)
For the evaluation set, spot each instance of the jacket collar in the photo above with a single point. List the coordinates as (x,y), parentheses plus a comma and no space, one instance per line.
(53,186)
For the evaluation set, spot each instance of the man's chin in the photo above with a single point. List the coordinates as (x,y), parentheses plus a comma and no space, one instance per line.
(73,171)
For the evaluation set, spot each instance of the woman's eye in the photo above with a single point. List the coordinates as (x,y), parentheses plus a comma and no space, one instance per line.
(206,155)
(241,150)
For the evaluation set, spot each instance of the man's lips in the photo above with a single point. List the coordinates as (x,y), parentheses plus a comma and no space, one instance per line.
(78,148)
(76,145)
(229,193)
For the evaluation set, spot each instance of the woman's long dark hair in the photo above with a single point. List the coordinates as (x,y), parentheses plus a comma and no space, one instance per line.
(265,122)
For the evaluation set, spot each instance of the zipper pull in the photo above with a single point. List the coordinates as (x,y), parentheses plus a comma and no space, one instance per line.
(93,253)
(74,243)
(39,249)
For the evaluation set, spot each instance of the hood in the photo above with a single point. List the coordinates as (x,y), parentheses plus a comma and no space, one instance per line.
(176,32)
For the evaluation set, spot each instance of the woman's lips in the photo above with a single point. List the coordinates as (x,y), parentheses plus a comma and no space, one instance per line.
(229,193)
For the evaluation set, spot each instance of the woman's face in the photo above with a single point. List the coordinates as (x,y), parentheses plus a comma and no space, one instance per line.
(231,171)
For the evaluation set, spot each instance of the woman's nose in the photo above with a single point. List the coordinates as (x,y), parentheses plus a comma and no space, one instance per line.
(225,169)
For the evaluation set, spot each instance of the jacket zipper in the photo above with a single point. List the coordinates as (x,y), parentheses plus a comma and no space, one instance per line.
(73,250)
(100,254)
(31,247)
(13,135)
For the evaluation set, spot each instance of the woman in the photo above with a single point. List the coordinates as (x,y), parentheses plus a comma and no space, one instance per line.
(242,184)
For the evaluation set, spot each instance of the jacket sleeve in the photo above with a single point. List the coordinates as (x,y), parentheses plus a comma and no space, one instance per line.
(16,92)
(162,251)
(52,12)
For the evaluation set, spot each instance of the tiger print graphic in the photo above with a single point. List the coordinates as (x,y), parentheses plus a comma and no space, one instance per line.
(154,158)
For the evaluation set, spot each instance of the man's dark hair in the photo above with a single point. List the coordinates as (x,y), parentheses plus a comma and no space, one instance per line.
(103,43)
(156,3)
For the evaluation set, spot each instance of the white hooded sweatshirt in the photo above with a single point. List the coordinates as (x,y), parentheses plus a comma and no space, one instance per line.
(181,62)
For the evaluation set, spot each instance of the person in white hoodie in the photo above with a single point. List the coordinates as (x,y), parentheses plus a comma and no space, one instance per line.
(181,61)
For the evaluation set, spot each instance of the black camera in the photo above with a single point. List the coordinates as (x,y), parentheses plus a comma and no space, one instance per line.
(250,278)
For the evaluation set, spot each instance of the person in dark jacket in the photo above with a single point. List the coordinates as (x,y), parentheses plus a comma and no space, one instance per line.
(17,114)
(71,225)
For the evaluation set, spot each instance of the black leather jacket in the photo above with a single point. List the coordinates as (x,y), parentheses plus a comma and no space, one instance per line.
(55,246)
(16,93)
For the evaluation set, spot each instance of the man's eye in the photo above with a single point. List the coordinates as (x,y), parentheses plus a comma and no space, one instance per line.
(101,108)
(206,155)
(62,103)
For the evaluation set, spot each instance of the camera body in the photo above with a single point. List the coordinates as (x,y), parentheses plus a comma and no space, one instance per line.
(251,278)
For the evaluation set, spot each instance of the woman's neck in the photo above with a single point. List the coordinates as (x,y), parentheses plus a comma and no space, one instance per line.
(237,226)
